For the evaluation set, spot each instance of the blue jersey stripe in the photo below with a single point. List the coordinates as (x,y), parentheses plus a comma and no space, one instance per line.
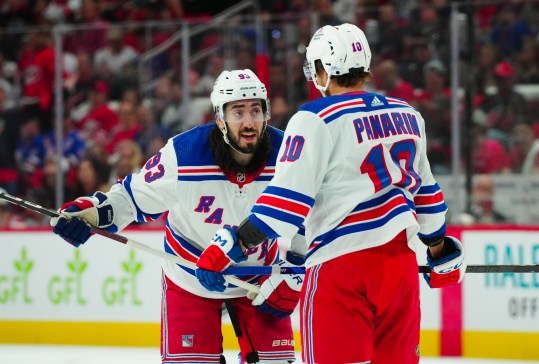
(202,178)
(432,209)
(355,228)
(140,214)
(380,200)
(263,227)
(278,214)
(290,194)
(264,178)
(338,114)
(428,190)
(439,232)
(184,243)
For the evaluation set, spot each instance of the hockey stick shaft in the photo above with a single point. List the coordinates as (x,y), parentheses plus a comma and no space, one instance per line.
(504,268)
(275,269)
(130,242)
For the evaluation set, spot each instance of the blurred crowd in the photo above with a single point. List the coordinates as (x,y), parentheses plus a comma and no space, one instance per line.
(117,114)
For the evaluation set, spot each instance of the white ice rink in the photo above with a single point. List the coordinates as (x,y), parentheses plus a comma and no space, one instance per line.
(48,354)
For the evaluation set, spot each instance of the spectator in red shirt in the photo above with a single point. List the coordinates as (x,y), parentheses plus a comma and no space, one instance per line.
(128,127)
(98,124)
(489,155)
(388,80)
(37,67)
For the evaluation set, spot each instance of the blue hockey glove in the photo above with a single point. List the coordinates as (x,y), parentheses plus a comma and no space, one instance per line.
(449,269)
(76,217)
(224,249)
(279,294)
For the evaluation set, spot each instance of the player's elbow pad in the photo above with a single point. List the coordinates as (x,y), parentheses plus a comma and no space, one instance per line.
(249,235)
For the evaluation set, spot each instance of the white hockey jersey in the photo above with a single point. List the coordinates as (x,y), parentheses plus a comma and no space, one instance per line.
(353,170)
(184,179)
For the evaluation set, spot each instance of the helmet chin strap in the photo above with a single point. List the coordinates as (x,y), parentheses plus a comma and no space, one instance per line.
(227,141)
(322,89)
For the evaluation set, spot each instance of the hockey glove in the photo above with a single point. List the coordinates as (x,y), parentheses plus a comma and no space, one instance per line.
(224,249)
(279,294)
(448,269)
(76,217)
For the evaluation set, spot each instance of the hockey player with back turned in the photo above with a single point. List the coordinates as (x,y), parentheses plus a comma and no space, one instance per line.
(353,170)
(207,177)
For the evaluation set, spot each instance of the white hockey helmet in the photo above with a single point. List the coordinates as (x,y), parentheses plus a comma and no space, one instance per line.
(238,85)
(340,49)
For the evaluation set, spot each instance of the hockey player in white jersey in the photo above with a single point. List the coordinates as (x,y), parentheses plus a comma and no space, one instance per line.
(353,170)
(205,178)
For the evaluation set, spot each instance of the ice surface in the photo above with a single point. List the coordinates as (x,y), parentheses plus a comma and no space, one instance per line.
(58,354)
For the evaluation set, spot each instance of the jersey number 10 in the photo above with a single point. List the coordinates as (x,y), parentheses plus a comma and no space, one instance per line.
(376,167)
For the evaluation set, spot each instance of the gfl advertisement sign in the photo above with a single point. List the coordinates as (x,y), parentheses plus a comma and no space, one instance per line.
(44,278)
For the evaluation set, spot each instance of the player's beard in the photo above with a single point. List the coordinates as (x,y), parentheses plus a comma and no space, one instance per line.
(249,147)
(223,152)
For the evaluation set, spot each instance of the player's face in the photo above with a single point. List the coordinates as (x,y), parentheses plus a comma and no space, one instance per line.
(245,123)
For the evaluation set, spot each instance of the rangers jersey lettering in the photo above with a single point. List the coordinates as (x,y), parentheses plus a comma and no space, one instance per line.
(353,170)
(184,179)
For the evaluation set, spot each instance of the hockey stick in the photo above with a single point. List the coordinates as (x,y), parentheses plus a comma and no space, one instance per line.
(251,270)
(135,244)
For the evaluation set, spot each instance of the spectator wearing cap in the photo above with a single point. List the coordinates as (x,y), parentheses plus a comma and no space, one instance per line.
(111,60)
(505,108)
(97,125)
